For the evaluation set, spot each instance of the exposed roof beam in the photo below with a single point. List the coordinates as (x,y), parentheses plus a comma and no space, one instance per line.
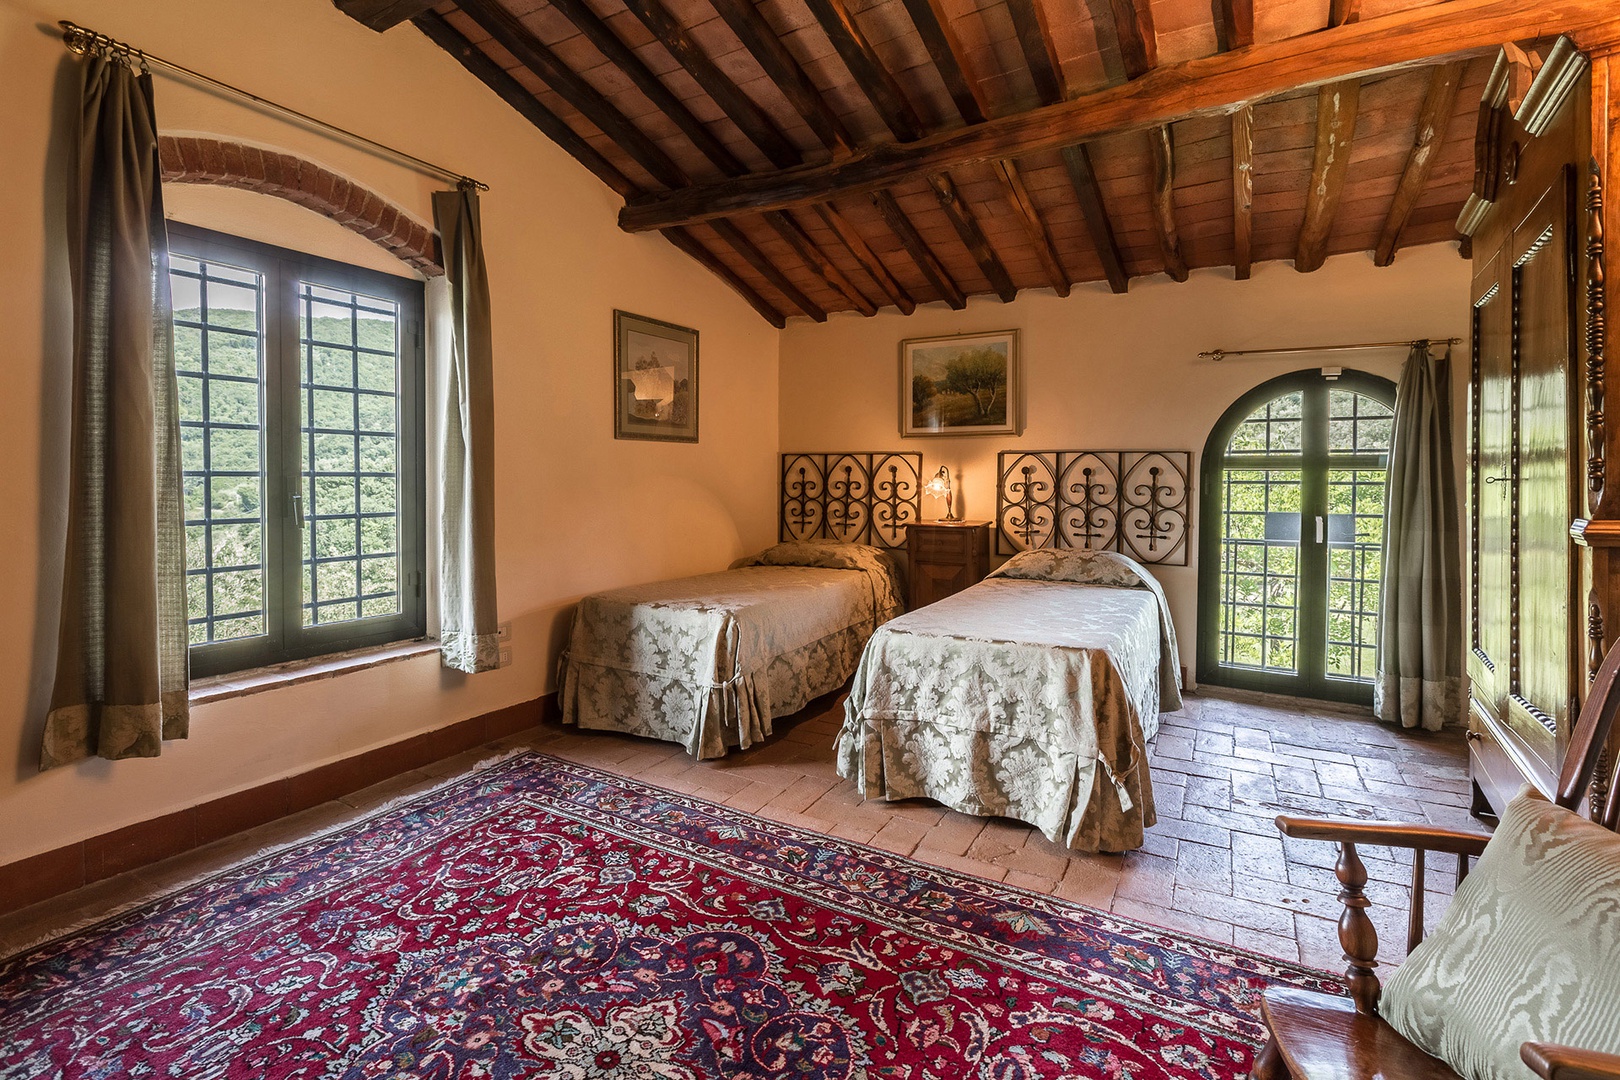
(863,254)
(934,26)
(967,227)
(624,58)
(689,244)
(1138,44)
(382,15)
(1438,104)
(1234,24)
(1209,85)
(932,269)
(1040,237)
(738,242)
(1343,12)
(1163,148)
(947,55)
(621,56)
(515,38)
(752,120)
(1336,108)
(880,87)
(789,229)
(1036,43)
(767,49)
(1243,192)
(515,94)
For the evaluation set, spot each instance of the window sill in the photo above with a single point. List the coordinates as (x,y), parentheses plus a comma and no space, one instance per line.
(257,680)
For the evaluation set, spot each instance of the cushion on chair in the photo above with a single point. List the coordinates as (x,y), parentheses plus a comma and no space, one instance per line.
(1530,949)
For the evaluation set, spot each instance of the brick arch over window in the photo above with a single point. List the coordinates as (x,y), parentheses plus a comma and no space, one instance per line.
(191,159)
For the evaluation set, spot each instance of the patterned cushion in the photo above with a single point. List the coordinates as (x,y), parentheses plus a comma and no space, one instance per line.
(1082,567)
(1530,949)
(828,556)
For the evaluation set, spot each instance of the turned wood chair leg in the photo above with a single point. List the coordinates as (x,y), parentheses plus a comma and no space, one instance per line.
(1269,1064)
(1356,932)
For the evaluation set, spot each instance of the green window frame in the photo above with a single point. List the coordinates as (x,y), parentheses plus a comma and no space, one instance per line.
(302,443)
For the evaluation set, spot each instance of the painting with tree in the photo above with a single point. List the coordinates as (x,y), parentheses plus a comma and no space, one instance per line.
(655,389)
(964,384)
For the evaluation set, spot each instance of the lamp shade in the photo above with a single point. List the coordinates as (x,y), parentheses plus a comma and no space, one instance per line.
(939,486)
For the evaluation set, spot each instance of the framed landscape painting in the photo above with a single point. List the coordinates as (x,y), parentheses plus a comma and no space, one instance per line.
(966,384)
(655,379)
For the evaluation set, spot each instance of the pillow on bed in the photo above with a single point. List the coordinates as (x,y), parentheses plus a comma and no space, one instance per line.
(827,556)
(1084,567)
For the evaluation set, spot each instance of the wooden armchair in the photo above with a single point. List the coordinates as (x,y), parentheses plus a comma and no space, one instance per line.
(1319,1035)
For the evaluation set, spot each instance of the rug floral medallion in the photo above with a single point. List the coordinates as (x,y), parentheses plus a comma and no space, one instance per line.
(543,919)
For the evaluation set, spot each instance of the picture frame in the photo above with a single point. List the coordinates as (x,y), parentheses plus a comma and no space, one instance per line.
(655,379)
(960,384)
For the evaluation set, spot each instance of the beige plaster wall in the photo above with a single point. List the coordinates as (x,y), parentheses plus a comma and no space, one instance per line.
(576,510)
(1121,372)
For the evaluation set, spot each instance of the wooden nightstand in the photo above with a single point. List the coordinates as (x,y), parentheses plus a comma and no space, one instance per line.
(946,557)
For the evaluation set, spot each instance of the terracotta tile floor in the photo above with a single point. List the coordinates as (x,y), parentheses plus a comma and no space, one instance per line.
(1214,865)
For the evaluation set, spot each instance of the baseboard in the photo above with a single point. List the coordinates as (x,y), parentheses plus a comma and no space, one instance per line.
(52,873)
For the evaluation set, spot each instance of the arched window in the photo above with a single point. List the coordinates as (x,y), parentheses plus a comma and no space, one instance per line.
(1294,476)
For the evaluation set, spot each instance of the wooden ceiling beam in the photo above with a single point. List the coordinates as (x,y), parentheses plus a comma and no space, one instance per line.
(1210,85)
(871,76)
(945,49)
(1438,104)
(706,258)
(1162,148)
(767,49)
(1138,43)
(862,252)
(382,15)
(752,120)
(1234,24)
(932,269)
(1336,107)
(789,229)
(1036,43)
(1243,192)
(949,59)
(480,66)
(1343,12)
(966,225)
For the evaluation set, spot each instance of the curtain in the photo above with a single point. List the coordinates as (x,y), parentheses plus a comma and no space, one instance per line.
(467,618)
(1421,679)
(121,677)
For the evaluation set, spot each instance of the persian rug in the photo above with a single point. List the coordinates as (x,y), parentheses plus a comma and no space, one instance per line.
(542,919)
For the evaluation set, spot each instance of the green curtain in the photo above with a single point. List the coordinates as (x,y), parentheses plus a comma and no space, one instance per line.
(121,678)
(467,618)
(1421,678)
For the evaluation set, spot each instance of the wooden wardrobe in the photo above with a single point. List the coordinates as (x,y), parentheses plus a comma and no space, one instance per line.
(1542,519)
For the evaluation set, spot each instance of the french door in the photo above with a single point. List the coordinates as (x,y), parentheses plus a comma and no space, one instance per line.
(1294,477)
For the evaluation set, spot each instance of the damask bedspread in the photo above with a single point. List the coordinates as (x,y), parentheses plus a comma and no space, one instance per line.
(1032,695)
(710,661)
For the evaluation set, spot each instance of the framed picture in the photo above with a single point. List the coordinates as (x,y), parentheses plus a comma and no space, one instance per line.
(655,379)
(966,384)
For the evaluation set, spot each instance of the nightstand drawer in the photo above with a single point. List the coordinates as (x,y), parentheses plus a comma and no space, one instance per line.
(934,543)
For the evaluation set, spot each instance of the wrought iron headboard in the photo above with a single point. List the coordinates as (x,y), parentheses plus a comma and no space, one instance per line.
(854,498)
(1136,502)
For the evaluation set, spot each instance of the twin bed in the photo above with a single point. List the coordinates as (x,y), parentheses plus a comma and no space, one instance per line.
(1031,695)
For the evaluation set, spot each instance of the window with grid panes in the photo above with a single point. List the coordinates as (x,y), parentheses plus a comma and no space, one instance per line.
(301,391)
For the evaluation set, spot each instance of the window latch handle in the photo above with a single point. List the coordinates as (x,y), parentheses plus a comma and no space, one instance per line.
(1321,528)
(298,510)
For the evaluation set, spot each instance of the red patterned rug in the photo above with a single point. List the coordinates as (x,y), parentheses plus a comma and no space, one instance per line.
(543,919)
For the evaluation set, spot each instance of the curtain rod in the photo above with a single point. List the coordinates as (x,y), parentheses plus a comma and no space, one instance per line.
(80,41)
(1221,354)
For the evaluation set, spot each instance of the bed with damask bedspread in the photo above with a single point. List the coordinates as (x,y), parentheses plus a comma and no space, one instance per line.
(710,661)
(1031,695)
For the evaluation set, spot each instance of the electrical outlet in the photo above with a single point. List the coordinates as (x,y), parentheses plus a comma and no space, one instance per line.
(506,657)
(503,631)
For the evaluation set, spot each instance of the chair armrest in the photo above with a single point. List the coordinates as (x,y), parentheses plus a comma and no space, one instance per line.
(1385,833)
(1567,1063)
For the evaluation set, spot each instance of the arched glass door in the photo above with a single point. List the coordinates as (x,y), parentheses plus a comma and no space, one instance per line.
(1293,523)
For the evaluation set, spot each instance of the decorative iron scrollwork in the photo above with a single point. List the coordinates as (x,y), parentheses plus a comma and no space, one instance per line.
(1136,502)
(853,498)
